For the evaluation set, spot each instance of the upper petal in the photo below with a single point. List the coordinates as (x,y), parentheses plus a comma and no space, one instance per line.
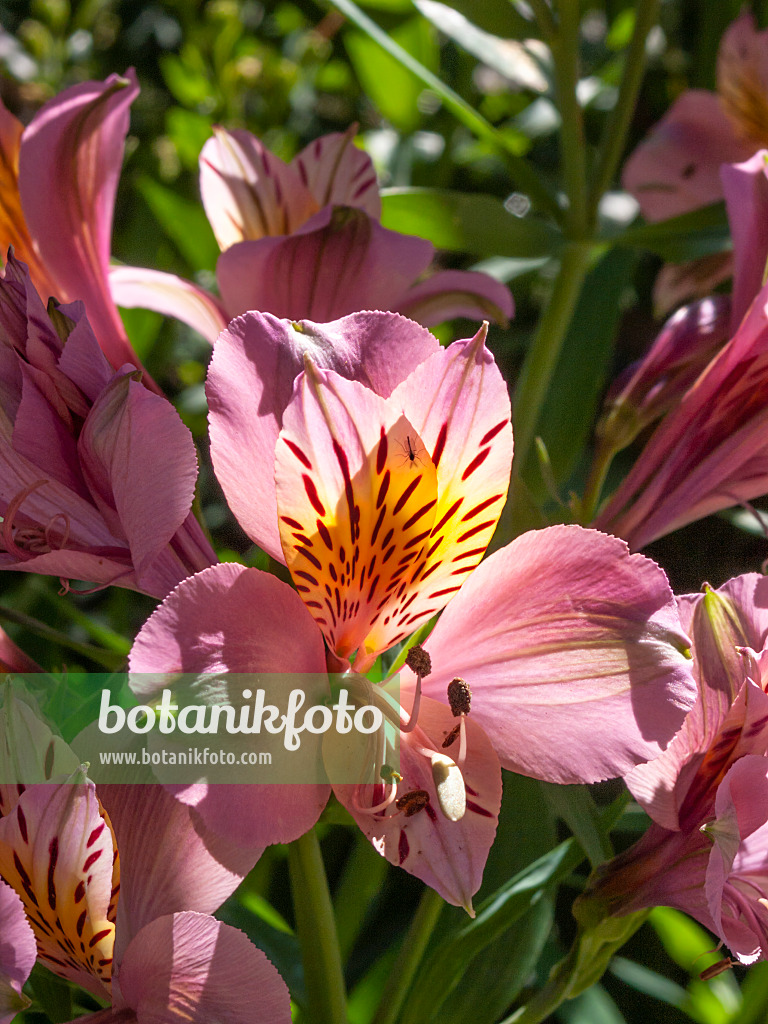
(574,652)
(250,383)
(248,192)
(191,969)
(356,496)
(336,172)
(746,198)
(69,167)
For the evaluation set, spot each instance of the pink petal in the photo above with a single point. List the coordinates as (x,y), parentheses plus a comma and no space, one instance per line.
(13,659)
(191,969)
(448,855)
(139,460)
(250,382)
(249,193)
(746,197)
(737,875)
(742,79)
(710,452)
(232,619)
(18,952)
(169,861)
(337,173)
(70,163)
(574,651)
(451,293)
(56,851)
(676,168)
(170,295)
(341,261)
(466,426)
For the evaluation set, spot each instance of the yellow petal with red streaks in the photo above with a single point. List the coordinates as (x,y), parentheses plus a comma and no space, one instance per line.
(356,495)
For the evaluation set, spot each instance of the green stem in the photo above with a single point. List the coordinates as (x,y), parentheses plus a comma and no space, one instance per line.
(109,660)
(544,18)
(616,127)
(541,359)
(601,463)
(316,929)
(409,958)
(573,149)
(523,173)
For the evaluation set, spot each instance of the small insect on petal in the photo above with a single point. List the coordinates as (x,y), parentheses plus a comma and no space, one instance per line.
(449,783)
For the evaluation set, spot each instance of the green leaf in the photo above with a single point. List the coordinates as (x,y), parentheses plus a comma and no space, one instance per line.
(507,56)
(594,1006)
(184,222)
(687,237)
(393,88)
(574,804)
(473,223)
(569,411)
(446,965)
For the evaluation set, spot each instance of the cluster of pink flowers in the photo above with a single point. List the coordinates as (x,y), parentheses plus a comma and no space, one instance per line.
(374,465)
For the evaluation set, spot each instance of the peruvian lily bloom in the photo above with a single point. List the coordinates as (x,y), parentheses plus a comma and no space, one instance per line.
(677,168)
(58,180)
(97,473)
(687,789)
(134,931)
(710,452)
(303,240)
(18,953)
(387,489)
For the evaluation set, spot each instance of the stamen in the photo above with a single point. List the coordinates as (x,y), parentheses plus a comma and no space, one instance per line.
(459,697)
(418,661)
(8,539)
(413,802)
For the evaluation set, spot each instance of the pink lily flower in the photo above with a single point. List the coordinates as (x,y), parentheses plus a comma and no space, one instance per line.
(710,452)
(18,953)
(59,179)
(677,168)
(388,488)
(97,473)
(135,930)
(687,790)
(318,216)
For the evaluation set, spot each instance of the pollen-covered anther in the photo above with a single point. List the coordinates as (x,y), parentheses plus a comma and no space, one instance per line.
(413,802)
(449,783)
(418,661)
(451,736)
(459,697)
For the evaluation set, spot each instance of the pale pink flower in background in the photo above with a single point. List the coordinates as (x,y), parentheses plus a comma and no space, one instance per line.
(387,489)
(677,167)
(303,240)
(59,179)
(97,473)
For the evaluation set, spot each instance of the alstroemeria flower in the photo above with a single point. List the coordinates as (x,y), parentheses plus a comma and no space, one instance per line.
(690,785)
(677,168)
(18,953)
(152,951)
(303,240)
(710,452)
(58,180)
(387,493)
(97,473)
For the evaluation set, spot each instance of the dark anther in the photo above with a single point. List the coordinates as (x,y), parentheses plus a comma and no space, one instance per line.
(413,802)
(459,697)
(419,661)
(452,735)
